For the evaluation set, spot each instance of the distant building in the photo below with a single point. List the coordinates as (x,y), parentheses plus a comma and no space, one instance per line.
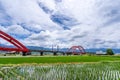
(100,53)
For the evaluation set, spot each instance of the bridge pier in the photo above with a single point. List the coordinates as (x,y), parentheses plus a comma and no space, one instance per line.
(54,53)
(69,53)
(63,53)
(23,53)
(41,53)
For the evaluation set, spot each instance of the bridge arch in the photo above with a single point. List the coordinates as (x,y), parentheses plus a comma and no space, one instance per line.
(19,46)
(76,50)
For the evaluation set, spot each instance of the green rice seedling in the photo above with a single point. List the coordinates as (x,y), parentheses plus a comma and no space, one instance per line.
(95,71)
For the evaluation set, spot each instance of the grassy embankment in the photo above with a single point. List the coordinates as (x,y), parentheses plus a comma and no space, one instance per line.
(57,59)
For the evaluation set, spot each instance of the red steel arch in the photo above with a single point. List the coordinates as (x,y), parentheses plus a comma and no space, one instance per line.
(74,51)
(19,46)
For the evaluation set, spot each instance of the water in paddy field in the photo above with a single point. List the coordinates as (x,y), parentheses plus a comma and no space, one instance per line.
(94,71)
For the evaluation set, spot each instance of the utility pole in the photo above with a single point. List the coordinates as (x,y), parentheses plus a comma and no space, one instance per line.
(52,47)
(57,47)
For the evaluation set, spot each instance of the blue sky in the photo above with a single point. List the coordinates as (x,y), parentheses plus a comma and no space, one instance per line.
(89,23)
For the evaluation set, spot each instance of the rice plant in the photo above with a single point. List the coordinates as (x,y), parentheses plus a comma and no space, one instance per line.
(93,71)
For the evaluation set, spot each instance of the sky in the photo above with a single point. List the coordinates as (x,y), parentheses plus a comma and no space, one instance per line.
(89,23)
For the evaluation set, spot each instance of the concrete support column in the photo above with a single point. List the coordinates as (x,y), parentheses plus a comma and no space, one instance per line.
(54,53)
(63,53)
(41,53)
(23,53)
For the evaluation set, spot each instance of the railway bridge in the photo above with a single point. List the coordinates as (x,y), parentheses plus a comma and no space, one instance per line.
(19,47)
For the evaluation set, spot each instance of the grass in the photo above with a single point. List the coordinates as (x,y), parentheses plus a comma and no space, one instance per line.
(98,71)
(57,59)
(92,68)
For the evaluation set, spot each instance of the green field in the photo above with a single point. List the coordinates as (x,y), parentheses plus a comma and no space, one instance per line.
(82,67)
(95,71)
(56,59)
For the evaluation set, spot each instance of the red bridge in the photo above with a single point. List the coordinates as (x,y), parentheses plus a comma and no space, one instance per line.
(19,47)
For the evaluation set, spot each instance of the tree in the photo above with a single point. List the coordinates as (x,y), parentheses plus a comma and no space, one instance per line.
(109,52)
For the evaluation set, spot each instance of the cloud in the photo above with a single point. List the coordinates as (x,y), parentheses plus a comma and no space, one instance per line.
(26,11)
(90,23)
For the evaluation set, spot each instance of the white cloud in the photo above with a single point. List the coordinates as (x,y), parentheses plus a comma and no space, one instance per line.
(15,29)
(96,22)
(26,11)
